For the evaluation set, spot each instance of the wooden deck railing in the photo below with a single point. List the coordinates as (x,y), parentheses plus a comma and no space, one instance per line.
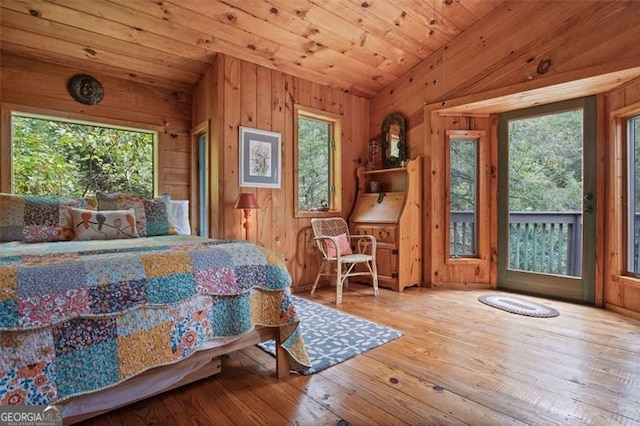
(548,242)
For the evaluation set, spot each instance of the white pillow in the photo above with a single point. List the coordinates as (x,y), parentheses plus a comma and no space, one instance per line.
(179,211)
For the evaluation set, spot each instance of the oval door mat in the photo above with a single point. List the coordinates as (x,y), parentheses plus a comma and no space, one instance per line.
(519,306)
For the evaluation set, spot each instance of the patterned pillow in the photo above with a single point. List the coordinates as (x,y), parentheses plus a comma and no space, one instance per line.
(35,219)
(152,215)
(104,224)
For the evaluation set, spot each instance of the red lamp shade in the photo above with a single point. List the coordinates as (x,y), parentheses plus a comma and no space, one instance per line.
(246,201)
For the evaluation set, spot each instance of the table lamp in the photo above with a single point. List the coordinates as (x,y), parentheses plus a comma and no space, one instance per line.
(247,202)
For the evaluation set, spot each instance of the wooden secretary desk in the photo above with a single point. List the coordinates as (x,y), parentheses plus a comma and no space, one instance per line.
(390,210)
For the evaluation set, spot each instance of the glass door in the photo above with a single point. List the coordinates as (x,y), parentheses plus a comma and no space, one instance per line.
(546,204)
(200,188)
(203,188)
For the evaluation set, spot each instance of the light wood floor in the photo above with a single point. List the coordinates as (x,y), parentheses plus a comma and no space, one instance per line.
(459,362)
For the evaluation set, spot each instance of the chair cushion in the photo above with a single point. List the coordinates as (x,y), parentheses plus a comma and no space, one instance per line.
(343,246)
(356,258)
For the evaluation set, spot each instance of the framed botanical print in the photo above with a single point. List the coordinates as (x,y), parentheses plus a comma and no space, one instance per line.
(260,160)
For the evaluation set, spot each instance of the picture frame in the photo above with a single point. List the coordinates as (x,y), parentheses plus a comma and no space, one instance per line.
(260,159)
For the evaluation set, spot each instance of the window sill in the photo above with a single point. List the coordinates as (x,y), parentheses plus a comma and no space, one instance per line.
(317,213)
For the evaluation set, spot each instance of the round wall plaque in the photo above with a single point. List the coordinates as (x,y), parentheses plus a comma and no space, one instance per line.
(85,89)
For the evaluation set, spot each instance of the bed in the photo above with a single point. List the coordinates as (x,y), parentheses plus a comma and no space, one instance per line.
(94,325)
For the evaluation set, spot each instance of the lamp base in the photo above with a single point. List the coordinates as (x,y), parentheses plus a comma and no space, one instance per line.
(247,213)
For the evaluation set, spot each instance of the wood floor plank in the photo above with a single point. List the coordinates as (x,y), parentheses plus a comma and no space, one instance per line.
(424,394)
(343,402)
(501,379)
(195,404)
(147,412)
(459,361)
(571,355)
(294,405)
(397,403)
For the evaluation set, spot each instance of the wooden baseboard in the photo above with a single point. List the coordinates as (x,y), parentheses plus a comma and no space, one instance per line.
(459,286)
(622,311)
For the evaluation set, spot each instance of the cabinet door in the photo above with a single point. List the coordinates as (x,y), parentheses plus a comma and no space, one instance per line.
(387,262)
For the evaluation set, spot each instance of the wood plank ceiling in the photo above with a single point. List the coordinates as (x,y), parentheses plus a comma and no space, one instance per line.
(359,46)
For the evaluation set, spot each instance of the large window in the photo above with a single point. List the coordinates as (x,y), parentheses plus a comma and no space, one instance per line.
(633,184)
(70,159)
(317,172)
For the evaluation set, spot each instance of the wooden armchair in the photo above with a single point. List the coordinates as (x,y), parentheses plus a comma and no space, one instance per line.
(333,240)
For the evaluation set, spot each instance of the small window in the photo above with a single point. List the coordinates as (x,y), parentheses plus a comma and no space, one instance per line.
(317,173)
(52,157)
(463,197)
(633,185)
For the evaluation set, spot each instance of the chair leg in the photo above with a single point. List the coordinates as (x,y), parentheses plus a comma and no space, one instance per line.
(338,284)
(373,270)
(375,278)
(315,284)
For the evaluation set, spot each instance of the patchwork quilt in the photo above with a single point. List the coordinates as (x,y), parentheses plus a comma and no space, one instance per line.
(81,316)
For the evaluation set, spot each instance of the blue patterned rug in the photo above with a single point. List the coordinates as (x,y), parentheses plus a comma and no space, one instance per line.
(332,336)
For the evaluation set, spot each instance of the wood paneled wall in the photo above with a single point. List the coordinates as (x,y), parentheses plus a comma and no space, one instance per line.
(501,55)
(621,292)
(29,85)
(237,93)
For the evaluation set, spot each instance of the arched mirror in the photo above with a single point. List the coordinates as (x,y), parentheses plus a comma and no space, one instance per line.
(394,148)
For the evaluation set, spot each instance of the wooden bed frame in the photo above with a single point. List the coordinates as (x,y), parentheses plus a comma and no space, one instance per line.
(258,335)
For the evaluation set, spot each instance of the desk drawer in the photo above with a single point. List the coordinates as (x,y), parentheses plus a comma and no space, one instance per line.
(361,230)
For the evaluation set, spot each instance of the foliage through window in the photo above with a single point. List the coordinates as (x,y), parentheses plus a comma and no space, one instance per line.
(317,142)
(633,182)
(463,187)
(545,169)
(545,193)
(59,158)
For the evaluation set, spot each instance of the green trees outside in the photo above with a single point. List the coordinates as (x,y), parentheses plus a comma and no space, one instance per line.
(313,164)
(463,188)
(634,142)
(65,159)
(633,139)
(464,177)
(545,163)
(545,175)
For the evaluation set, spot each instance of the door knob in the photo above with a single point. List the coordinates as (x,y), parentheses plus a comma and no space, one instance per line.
(588,210)
(588,197)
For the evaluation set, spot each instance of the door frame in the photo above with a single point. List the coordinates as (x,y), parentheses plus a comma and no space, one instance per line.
(581,289)
(200,178)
